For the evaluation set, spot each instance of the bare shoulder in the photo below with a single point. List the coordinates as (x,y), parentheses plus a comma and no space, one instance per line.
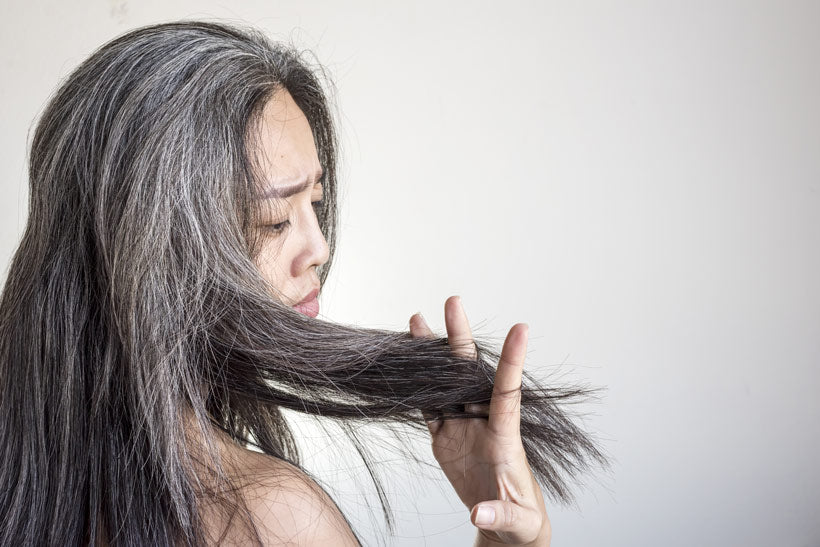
(288,507)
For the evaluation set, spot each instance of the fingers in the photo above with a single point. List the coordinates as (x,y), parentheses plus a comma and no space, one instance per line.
(477,408)
(420,329)
(505,404)
(459,338)
(520,524)
(459,335)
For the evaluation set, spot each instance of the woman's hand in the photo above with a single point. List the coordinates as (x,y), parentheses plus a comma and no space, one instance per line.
(484,460)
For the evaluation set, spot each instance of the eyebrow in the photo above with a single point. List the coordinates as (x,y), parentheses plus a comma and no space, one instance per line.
(287,191)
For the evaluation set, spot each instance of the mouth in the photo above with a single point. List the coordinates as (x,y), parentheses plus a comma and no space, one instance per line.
(309,305)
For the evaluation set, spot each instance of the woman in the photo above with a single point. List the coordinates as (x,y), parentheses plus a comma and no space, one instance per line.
(160,309)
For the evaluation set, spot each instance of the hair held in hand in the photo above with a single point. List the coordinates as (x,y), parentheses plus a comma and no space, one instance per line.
(133,298)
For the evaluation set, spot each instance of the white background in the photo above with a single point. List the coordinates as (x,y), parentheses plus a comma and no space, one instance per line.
(638,181)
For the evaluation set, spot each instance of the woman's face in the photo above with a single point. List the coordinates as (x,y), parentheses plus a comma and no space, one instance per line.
(293,246)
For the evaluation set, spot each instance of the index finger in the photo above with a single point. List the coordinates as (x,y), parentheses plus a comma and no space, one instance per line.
(505,404)
(420,329)
(459,334)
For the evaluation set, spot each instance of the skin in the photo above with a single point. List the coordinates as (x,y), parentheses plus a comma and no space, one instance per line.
(484,460)
(293,245)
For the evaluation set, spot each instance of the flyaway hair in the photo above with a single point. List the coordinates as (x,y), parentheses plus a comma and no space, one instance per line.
(133,298)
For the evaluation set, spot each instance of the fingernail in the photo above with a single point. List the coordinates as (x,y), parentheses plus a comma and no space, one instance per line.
(485,515)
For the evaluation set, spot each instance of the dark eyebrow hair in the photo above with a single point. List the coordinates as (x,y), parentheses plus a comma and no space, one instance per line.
(287,191)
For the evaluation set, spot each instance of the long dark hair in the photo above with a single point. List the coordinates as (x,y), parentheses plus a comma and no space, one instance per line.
(133,298)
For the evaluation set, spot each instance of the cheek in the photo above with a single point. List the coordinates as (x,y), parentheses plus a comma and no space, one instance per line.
(272,263)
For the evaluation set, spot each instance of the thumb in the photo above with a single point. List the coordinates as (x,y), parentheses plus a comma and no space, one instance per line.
(515,521)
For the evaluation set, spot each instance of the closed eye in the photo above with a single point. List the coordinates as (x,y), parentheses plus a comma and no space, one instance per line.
(318,204)
(278,228)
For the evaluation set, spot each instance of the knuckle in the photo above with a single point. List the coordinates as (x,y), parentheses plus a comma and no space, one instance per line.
(509,516)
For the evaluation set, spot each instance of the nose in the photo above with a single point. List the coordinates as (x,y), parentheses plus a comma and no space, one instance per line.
(315,250)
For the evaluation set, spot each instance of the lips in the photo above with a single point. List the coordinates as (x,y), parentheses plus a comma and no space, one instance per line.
(309,305)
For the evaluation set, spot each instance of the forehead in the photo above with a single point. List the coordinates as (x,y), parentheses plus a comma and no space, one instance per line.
(285,150)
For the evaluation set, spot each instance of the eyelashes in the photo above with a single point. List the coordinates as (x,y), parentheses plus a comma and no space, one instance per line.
(281,227)
(277,228)
(317,206)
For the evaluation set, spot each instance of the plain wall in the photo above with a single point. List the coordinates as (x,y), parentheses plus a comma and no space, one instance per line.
(638,181)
